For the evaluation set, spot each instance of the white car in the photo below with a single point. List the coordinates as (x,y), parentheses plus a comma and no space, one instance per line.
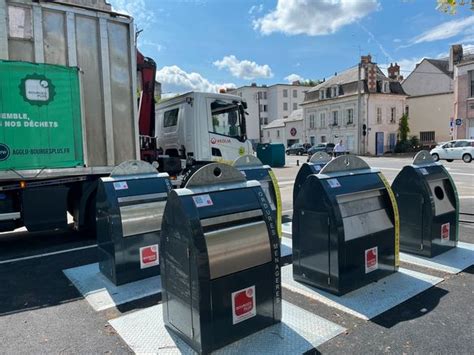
(454,150)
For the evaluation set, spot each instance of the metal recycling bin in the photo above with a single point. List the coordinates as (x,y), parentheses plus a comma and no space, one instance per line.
(220,256)
(272,154)
(253,169)
(345,227)
(429,207)
(314,165)
(130,205)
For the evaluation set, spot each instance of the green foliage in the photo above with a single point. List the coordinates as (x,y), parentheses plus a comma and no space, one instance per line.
(310,82)
(403,128)
(414,142)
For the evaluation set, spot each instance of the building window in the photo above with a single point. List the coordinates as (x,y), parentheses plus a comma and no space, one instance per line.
(265,108)
(260,95)
(379,115)
(312,140)
(322,117)
(427,137)
(323,139)
(407,110)
(264,95)
(334,91)
(386,87)
(335,118)
(268,134)
(265,120)
(321,94)
(285,106)
(278,133)
(471,75)
(285,92)
(350,115)
(295,93)
(393,114)
(311,121)
(260,108)
(295,106)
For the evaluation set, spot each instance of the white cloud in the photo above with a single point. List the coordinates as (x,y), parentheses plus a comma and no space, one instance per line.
(294,77)
(313,18)
(244,69)
(147,43)
(372,36)
(255,9)
(176,80)
(446,30)
(142,15)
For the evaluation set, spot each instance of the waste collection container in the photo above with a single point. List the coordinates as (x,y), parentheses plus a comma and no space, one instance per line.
(253,169)
(219,259)
(429,207)
(314,165)
(345,227)
(272,154)
(130,205)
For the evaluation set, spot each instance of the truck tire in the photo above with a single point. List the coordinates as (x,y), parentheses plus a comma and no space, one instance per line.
(188,172)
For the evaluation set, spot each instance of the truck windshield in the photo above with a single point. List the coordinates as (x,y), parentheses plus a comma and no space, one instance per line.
(227,118)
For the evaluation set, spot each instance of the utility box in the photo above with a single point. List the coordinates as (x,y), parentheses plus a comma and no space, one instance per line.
(345,227)
(429,207)
(130,205)
(314,165)
(253,169)
(219,259)
(272,154)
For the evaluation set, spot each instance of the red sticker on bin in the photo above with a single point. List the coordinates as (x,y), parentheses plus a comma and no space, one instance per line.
(243,304)
(371,260)
(149,256)
(445,232)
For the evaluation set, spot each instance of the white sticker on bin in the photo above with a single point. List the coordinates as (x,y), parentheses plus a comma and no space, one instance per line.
(120,185)
(371,260)
(202,200)
(333,183)
(424,171)
(445,232)
(149,256)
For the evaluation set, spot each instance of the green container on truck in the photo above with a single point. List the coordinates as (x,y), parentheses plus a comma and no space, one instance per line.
(68,108)
(40,116)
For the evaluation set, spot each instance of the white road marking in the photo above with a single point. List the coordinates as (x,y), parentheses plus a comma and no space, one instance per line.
(46,254)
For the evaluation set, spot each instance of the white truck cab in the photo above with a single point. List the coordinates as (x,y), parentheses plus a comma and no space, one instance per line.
(202,127)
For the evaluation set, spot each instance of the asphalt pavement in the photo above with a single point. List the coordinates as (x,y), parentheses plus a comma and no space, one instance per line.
(42,312)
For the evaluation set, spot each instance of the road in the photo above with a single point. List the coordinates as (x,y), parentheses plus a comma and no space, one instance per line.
(42,312)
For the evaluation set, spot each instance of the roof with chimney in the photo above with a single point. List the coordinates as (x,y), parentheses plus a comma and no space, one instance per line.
(347,80)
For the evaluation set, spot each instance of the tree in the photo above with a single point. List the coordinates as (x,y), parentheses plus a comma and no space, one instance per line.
(403,128)
(449,6)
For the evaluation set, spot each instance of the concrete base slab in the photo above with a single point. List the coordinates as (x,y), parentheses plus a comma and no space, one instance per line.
(102,293)
(144,331)
(452,261)
(371,300)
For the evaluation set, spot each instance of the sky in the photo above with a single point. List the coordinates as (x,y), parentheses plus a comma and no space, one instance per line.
(204,45)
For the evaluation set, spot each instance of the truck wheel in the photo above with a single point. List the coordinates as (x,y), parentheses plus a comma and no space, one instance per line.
(435,156)
(467,158)
(190,172)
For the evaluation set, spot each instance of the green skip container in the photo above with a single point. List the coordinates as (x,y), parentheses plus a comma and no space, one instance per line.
(272,154)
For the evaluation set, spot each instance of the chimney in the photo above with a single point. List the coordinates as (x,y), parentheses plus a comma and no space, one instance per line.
(296,83)
(253,84)
(455,56)
(366,59)
(394,71)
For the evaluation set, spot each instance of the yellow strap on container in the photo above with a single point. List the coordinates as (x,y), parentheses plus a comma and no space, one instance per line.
(397,218)
(276,188)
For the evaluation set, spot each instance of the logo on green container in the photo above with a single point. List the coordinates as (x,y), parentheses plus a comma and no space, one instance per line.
(4,151)
(37,89)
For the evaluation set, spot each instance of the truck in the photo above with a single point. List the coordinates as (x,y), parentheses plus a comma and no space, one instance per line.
(69,112)
(199,127)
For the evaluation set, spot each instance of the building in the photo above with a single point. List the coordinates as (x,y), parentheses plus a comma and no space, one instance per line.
(286,130)
(429,106)
(361,106)
(269,103)
(463,72)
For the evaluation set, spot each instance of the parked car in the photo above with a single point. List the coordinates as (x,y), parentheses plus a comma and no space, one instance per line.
(454,150)
(297,149)
(321,147)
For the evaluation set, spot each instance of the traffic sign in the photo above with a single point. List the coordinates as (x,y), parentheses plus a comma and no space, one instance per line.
(458,121)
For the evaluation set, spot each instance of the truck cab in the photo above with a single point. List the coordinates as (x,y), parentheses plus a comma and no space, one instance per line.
(199,127)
